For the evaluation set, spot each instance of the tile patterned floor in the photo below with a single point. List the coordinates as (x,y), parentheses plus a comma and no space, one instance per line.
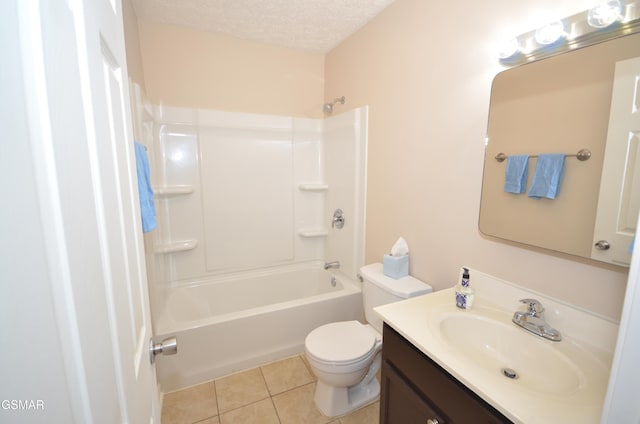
(276,393)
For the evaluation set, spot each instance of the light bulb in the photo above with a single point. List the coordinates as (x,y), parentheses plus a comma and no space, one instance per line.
(550,33)
(509,48)
(604,14)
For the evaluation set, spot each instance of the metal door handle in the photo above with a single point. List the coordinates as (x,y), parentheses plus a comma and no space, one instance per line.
(602,245)
(168,346)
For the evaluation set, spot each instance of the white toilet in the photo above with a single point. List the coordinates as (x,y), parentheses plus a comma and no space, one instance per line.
(345,356)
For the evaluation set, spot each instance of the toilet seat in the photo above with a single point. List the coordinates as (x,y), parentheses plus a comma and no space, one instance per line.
(342,343)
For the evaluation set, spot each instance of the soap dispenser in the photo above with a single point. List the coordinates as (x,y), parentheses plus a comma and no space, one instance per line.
(464,293)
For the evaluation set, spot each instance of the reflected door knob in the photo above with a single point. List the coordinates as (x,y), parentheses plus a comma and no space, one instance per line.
(338,219)
(602,245)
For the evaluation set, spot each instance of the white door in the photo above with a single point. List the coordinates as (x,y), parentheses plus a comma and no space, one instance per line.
(77,97)
(621,404)
(619,198)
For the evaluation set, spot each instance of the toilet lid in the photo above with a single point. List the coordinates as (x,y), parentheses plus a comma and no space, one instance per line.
(345,342)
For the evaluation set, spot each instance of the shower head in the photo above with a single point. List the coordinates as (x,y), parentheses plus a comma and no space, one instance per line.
(328,107)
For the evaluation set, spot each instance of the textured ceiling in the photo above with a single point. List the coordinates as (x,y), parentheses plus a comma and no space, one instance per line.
(310,25)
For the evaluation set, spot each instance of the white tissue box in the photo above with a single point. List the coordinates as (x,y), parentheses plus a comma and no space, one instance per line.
(395,266)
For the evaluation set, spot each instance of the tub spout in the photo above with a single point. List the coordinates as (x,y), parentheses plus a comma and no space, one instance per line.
(334,264)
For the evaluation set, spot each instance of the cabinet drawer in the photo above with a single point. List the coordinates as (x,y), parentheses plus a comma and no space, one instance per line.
(454,402)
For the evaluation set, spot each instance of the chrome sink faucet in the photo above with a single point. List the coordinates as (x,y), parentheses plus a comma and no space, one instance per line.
(334,264)
(533,321)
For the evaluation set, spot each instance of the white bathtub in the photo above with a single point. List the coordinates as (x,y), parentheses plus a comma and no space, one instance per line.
(227,325)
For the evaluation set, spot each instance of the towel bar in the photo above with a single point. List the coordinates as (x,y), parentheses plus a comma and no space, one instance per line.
(582,155)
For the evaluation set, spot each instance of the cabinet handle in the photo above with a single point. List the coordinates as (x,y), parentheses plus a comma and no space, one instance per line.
(433,421)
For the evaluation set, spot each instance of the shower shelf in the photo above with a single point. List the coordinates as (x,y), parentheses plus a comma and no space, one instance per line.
(176,246)
(172,190)
(310,233)
(313,187)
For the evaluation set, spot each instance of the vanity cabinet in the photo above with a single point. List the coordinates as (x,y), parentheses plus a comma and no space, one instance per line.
(417,390)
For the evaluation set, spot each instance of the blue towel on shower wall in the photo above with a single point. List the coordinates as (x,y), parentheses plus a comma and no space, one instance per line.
(515,179)
(147,207)
(548,176)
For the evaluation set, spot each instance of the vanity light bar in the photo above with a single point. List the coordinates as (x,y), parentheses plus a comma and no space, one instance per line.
(606,20)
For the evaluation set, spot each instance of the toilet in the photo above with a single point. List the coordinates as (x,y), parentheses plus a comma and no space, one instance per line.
(345,356)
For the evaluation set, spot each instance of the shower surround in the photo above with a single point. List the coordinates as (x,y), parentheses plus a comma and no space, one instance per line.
(249,198)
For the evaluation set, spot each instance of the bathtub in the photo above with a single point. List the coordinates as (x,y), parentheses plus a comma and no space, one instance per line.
(234,323)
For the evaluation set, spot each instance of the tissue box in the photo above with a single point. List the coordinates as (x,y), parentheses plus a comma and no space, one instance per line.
(395,266)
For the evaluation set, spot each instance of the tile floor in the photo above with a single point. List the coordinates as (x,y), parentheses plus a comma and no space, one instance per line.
(277,393)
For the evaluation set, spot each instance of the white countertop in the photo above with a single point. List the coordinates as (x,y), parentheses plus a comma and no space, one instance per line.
(417,319)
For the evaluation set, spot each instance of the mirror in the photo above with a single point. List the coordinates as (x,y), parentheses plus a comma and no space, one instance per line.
(556,105)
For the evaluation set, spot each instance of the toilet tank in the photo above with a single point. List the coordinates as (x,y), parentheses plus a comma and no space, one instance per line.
(379,290)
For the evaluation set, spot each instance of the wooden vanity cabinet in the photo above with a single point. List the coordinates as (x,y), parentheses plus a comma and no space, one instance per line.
(417,390)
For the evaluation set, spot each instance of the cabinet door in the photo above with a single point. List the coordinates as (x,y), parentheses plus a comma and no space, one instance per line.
(436,388)
(400,404)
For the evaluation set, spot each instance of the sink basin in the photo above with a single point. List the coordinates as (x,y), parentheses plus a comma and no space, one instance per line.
(557,381)
(489,340)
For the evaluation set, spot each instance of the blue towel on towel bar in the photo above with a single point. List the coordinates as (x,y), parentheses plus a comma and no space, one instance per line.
(515,179)
(548,176)
(147,206)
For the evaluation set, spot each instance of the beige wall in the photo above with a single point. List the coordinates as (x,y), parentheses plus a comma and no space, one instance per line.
(426,75)
(427,84)
(189,68)
(132,41)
